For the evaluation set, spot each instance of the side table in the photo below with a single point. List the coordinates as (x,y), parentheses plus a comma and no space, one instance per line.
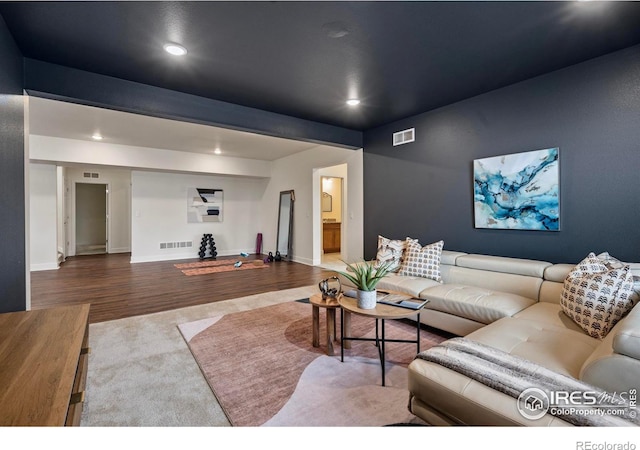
(330,306)
(380,313)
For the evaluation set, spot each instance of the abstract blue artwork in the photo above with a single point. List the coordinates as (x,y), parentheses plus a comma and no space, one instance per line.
(518,191)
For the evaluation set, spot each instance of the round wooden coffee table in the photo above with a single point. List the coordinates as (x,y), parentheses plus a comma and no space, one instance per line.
(330,306)
(381,312)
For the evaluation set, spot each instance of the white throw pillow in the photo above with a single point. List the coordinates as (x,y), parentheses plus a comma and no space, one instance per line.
(390,251)
(421,261)
(596,296)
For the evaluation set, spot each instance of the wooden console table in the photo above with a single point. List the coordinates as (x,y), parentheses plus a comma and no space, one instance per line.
(43,366)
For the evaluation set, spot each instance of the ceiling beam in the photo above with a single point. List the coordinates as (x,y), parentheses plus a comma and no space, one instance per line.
(62,83)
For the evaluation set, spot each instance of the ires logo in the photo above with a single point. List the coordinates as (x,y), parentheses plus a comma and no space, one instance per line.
(534,403)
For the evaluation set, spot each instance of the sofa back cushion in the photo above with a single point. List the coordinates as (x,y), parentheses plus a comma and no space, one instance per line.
(506,282)
(516,276)
(517,266)
(626,335)
(554,276)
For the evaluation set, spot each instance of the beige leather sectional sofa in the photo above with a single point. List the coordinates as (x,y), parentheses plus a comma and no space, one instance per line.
(512,305)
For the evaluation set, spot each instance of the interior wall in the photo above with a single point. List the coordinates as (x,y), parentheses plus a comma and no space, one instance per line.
(590,111)
(159,214)
(119,182)
(14,269)
(43,217)
(61,238)
(300,173)
(91,214)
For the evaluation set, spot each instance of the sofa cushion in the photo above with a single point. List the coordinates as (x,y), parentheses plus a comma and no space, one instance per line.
(475,303)
(558,272)
(518,266)
(626,336)
(615,363)
(421,261)
(409,285)
(452,398)
(390,251)
(541,342)
(462,400)
(549,313)
(596,296)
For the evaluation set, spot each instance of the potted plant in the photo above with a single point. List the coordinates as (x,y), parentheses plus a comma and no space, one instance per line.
(365,276)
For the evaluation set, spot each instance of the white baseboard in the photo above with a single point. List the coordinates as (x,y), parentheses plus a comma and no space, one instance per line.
(190,255)
(43,266)
(306,261)
(119,250)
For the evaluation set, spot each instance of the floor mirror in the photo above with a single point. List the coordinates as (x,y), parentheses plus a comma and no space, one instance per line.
(285,224)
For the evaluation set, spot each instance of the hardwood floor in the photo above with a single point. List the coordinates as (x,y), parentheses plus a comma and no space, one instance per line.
(115,288)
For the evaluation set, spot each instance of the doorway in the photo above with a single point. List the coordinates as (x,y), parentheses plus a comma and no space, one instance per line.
(91,211)
(332,219)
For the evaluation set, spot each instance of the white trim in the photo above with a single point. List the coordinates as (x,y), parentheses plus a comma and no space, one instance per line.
(190,255)
(43,266)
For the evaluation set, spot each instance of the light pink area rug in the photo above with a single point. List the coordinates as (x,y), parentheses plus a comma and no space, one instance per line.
(263,369)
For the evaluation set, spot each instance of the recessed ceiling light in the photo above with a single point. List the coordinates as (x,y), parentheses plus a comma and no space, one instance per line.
(353,102)
(96,137)
(217,151)
(175,49)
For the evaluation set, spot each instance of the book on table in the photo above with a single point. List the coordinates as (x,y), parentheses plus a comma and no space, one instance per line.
(401,300)
(394,299)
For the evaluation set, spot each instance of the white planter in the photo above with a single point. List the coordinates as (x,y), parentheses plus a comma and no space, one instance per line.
(366,299)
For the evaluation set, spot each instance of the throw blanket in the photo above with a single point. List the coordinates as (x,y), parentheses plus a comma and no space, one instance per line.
(512,375)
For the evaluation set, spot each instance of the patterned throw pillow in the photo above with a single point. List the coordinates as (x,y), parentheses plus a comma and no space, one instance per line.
(390,250)
(614,263)
(596,296)
(422,261)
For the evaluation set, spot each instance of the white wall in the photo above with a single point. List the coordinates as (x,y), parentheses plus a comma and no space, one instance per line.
(158,196)
(61,175)
(159,214)
(119,182)
(300,172)
(43,253)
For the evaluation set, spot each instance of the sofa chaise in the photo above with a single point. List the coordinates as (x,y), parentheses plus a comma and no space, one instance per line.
(511,305)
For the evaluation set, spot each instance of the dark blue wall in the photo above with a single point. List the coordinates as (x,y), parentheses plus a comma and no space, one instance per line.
(12,194)
(591,111)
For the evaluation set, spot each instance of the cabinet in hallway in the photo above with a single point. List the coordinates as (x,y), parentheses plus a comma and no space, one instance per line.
(331,237)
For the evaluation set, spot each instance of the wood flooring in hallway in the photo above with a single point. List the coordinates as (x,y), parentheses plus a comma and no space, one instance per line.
(115,288)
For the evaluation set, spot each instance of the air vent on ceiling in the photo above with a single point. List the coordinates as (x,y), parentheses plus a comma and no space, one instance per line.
(91,175)
(404,137)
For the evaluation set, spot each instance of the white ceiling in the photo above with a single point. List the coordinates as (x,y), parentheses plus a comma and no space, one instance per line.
(72,121)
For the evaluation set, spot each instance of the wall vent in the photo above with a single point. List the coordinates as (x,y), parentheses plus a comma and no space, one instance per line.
(404,137)
(183,244)
(91,175)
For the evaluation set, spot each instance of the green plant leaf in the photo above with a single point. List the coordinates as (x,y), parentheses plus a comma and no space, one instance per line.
(364,276)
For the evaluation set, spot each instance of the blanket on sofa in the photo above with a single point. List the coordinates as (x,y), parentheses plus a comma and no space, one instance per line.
(513,375)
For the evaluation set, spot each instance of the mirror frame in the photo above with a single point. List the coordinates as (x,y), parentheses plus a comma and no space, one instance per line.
(285,196)
(327,203)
